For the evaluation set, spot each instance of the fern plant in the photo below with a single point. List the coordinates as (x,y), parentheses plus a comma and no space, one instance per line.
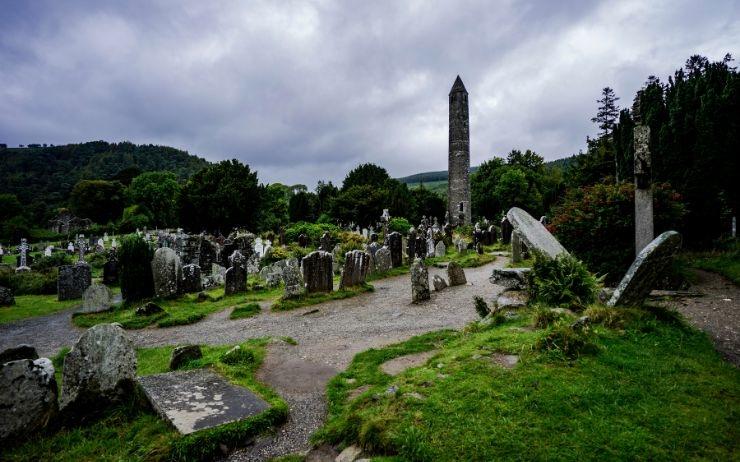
(562,281)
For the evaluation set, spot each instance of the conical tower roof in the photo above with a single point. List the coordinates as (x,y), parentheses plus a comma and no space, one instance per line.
(458,86)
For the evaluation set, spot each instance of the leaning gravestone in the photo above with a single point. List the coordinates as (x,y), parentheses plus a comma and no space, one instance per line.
(199,399)
(96,299)
(395,244)
(73,280)
(293,280)
(191,281)
(6,297)
(456,274)
(419,281)
(317,272)
(533,234)
(440,250)
(28,399)
(356,265)
(99,369)
(382,260)
(645,270)
(167,272)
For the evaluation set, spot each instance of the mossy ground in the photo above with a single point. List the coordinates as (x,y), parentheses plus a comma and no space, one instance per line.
(642,385)
(285,304)
(132,432)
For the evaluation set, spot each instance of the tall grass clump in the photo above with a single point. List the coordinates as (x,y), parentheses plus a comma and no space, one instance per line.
(563,281)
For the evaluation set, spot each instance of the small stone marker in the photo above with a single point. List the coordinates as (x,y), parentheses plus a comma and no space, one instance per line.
(419,281)
(317,272)
(199,399)
(16,353)
(96,299)
(73,280)
(110,270)
(510,278)
(534,234)
(167,272)
(440,250)
(235,278)
(456,274)
(645,270)
(439,283)
(184,354)
(383,262)
(356,266)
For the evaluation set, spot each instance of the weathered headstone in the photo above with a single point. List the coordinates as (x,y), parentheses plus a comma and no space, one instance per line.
(317,272)
(645,270)
(191,279)
(430,247)
(439,283)
(96,299)
(419,281)
(6,297)
(73,280)
(303,240)
(534,234)
(22,264)
(110,270)
(395,245)
(382,260)
(99,369)
(516,247)
(510,278)
(293,280)
(235,279)
(440,250)
(28,397)
(167,272)
(456,274)
(421,246)
(356,266)
(208,254)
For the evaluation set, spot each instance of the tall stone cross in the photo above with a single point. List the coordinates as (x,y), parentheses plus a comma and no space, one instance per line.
(81,248)
(644,229)
(23,249)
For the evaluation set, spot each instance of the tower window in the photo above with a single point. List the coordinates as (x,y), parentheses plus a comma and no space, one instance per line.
(462,206)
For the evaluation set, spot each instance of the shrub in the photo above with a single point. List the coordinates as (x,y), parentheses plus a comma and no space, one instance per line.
(400,225)
(545,317)
(238,356)
(597,224)
(31,282)
(56,260)
(314,231)
(481,307)
(562,281)
(134,258)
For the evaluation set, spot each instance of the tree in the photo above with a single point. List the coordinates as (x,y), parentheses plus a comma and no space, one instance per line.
(325,192)
(99,200)
(302,207)
(608,111)
(365,175)
(158,193)
(10,207)
(135,259)
(274,212)
(426,203)
(220,197)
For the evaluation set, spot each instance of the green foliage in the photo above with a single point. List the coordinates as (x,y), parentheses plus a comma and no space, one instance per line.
(220,197)
(365,175)
(565,340)
(314,231)
(302,207)
(134,217)
(99,200)
(724,260)
(400,225)
(134,258)
(245,311)
(30,282)
(481,307)
(545,317)
(596,223)
(56,260)
(426,202)
(239,356)
(562,281)
(273,212)
(158,194)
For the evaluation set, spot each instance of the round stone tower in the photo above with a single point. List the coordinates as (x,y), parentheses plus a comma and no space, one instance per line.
(458,183)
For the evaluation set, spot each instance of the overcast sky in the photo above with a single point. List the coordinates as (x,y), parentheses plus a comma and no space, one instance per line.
(304,91)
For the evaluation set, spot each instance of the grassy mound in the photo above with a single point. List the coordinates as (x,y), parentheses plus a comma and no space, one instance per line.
(642,385)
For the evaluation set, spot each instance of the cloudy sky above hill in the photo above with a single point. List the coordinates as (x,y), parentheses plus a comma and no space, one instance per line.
(304,91)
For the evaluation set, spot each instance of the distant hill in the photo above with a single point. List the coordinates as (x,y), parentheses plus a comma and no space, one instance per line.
(47,174)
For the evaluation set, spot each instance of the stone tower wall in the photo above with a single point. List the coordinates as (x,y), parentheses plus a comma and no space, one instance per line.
(458,189)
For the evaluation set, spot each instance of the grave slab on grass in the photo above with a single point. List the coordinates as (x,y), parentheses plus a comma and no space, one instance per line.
(199,399)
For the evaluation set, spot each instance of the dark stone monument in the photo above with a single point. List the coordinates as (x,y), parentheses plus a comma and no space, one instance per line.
(191,280)
(395,244)
(317,272)
(421,246)
(356,267)
(208,255)
(236,276)
(506,230)
(303,240)
(325,243)
(184,354)
(73,280)
(16,353)
(110,270)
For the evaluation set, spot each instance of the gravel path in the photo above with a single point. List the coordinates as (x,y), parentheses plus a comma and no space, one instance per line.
(46,333)
(717,312)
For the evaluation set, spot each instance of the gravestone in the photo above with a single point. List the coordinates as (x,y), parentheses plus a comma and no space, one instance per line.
(419,281)
(456,274)
(534,234)
(440,250)
(99,369)
(110,270)
(421,246)
(293,280)
(645,270)
(23,257)
(506,230)
(235,279)
(325,242)
(430,246)
(273,279)
(439,283)
(191,279)
(382,260)
(199,399)
(184,354)
(356,266)
(28,399)
(395,245)
(73,280)
(317,272)
(96,299)
(167,272)
(208,254)
(6,297)
(411,245)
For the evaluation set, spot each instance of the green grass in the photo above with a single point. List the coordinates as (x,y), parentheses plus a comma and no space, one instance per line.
(180,311)
(725,262)
(131,431)
(245,311)
(29,306)
(319,297)
(646,388)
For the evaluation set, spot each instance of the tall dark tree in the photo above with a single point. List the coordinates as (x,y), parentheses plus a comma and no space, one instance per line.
(606,115)
(99,200)
(365,174)
(302,207)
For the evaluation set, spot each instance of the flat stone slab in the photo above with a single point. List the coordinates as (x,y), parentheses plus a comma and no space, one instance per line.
(397,365)
(199,399)
(649,265)
(534,234)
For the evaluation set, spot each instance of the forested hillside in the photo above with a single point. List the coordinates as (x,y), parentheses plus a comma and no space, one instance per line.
(42,177)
